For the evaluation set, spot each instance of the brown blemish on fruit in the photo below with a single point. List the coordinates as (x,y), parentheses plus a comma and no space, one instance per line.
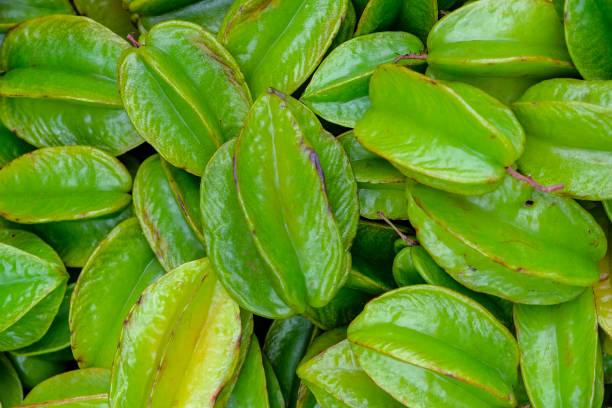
(273,91)
(411,57)
(314,159)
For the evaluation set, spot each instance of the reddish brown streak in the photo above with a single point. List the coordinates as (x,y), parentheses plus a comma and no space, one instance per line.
(529,180)
(133,40)
(411,56)
(407,241)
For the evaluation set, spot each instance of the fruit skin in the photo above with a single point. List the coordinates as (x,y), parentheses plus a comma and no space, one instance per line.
(503,47)
(338,90)
(193,85)
(166,205)
(568,126)
(185,313)
(69,183)
(469,361)
(588,33)
(278,266)
(561,358)
(34,282)
(279,44)
(516,243)
(60,84)
(109,13)
(72,388)
(462,149)
(13,13)
(120,268)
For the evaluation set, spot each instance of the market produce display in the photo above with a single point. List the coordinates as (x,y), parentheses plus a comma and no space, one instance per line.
(306,203)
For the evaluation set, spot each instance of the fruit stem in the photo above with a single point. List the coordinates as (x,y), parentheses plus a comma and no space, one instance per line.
(407,241)
(411,56)
(133,40)
(529,180)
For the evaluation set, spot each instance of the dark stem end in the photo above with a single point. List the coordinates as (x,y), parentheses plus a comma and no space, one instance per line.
(529,180)
(274,91)
(407,241)
(133,40)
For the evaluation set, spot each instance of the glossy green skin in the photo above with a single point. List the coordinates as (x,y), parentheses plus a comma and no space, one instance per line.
(34,370)
(370,276)
(153,6)
(32,326)
(57,336)
(180,343)
(462,148)
(193,85)
(75,240)
(378,15)
(60,86)
(285,345)
(275,393)
(509,46)
(246,337)
(34,281)
(111,282)
(375,241)
(247,278)
(304,176)
(325,340)
(603,289)
(280,43)
(273,386)
(338,90)
(608,208)
(169,217)
(347,28)
(109,13)
(569,123)
(341,310)
(561,358)
(413,265)
(11,391)
(547,253)
(373,253)
(72,389)
(14,12)
(11,146)
(251,388)
(63,183)
(336,380)
(418,17)
(380,185)
(470,360)
(257,385)
(588,34)
(405,272)
(206,13)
